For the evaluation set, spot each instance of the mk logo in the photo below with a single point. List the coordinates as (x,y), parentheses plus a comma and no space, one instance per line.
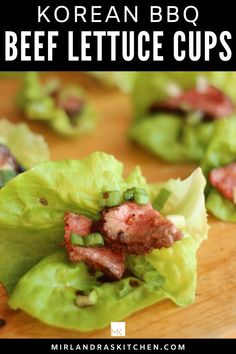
(117,329)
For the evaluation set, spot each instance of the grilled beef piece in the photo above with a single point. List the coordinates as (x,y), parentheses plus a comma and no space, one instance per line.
(127,229)
(100,258)
(210,101)
(8,161)
(72,105)
(136,229)
(78,224)
(224,180)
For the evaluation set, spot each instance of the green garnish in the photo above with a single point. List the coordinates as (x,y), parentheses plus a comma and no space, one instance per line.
(161,199)
(77,240)
(114,198)
(111,198)
(129,194)
(144,271)
(139,195)
(5,176)
(92,240)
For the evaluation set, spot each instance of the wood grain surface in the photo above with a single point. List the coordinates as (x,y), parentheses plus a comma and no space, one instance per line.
(214,312)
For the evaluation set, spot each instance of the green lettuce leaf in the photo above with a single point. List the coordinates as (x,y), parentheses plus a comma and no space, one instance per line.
(37,103)
(171,138)
(33,204)
(221,151)
(56,305)
(186,199)
(221,207)
(178,263)
(222,148)
(28,148)
(31,230)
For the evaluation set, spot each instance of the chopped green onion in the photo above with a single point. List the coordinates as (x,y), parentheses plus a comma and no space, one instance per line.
(91,240)
(141,196)
(111,198)
(77,240)
(5,176)
(94,239)
(129,194)
(161,199)
(143,270)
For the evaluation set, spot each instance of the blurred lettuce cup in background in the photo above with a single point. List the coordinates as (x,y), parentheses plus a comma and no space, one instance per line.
(121,79)
(219,166)
(20,149)
(175,112)
(66,109)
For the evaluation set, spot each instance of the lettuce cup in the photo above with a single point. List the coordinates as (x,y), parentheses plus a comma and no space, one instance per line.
(91,247)
(20,149)
(66,109)
(175,113)
(219,166)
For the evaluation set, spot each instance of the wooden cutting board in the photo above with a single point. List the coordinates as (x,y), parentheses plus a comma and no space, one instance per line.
(214,312)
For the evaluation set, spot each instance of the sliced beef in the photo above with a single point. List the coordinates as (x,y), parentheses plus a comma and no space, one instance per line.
(128,228)
(8,161)
(103,259)
(136,229)
(72,105)
(210,101)
(224,180)
(100,258)
(78,224)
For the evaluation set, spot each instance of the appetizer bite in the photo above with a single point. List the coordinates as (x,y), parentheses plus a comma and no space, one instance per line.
(20,149)
(175,113)
(66,109)
(219,166)
(93,247)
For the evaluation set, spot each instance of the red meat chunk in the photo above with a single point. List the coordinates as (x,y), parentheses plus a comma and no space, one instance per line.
(210,101)
(224,180)
(72,105)
(99,258)
(8,161)
(136,229)
(103,259)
